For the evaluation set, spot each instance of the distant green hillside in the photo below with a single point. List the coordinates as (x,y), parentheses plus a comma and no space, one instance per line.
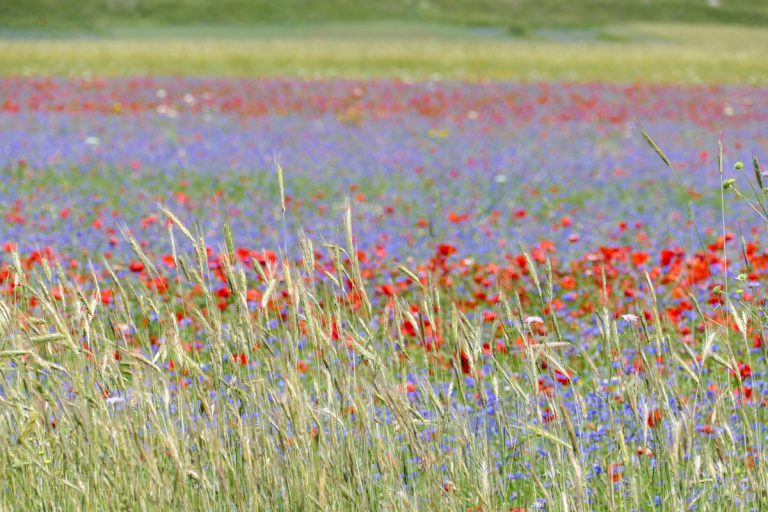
(517,15)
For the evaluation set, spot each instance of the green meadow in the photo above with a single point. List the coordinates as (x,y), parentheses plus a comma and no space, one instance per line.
(672,53)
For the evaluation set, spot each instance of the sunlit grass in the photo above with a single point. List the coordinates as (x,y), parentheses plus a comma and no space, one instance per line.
(668,54)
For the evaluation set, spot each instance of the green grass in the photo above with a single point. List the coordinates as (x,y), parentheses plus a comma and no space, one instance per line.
(101,14)
(622,54)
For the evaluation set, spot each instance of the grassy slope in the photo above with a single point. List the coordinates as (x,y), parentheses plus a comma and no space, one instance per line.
(655,54)
(94,14)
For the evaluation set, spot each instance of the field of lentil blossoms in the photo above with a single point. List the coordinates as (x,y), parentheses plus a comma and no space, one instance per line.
(223,294)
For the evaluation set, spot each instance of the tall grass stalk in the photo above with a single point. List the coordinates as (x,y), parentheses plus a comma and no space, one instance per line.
(311,398)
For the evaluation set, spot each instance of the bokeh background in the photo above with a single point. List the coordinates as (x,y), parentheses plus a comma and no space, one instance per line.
(690,41)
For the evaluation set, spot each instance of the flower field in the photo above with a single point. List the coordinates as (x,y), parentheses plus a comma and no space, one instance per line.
(287,294)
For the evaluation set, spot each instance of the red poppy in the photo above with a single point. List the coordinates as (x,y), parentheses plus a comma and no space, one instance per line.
(616,472)
(744,371)
(563,378)
(387,290)
(136,266)
(106,296)
(743,393)
(466,366)
(654,418)
(455,218)
(548,415)
(445,250)
(168,260)
(408,328)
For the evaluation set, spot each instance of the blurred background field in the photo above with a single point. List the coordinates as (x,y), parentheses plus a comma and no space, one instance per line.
(657,41)
(513,15)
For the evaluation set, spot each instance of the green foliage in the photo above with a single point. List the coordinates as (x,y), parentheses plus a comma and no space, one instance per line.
(518,14)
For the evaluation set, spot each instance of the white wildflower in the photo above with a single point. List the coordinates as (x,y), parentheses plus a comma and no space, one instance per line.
(630,318)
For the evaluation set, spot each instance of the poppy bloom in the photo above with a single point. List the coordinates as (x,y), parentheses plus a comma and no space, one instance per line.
(106,296)
(387,290)
(445,250)
(408,328)
(57,292)
(654,418)
(455,218)
(168,260)
(563,378)
(744,371)
(545,388)
(253,295)
(616,472)
(466,366)
(136,266)
(743,393)
(489,316)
